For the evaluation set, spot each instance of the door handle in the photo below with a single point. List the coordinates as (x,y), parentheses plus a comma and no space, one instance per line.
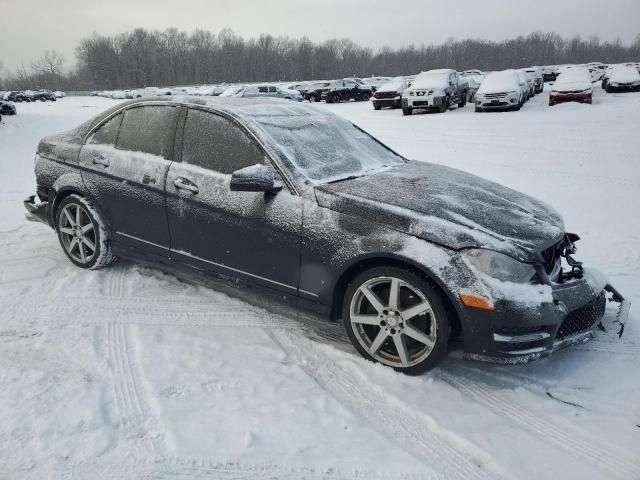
(100,160)
(146,179)
(184,184)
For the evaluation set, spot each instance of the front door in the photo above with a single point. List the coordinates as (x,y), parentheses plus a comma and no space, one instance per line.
(124,164)
(250,235)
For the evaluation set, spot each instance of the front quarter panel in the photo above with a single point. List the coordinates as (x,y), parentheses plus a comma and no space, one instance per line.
(333,242)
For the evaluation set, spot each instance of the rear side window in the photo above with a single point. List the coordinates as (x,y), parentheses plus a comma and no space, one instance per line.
(107,133)
(146,129)
(213,142)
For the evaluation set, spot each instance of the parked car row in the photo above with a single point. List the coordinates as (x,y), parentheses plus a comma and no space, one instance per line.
(31,95)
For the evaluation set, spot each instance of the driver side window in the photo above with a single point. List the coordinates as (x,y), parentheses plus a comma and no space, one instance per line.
(216,143)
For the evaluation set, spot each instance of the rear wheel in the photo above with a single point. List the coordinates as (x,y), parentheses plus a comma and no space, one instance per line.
(82,234)
(335,99)
(395,317)
(312,98)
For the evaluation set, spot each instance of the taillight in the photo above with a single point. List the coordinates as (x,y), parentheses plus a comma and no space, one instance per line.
(376,95)
(397,94)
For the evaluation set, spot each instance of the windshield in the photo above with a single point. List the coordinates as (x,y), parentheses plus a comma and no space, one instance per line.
(326,148)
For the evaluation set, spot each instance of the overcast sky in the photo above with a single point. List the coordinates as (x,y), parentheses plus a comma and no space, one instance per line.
(31,26)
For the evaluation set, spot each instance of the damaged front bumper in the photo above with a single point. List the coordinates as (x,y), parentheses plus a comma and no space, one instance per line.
(37,211)
(519,333)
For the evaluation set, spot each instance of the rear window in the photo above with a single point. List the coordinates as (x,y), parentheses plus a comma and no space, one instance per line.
(147,129)
(107,133)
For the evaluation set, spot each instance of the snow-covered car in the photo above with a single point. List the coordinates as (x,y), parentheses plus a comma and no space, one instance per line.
(435,90)
(623,79)
(572,85)
(19,97)
(527,82)
(537,78)
(313,92)
(59,94)
(232,91)
(296,200)
(390,94)
(346,89)
(119,95)
(272,91)
(500,91)
(7,108)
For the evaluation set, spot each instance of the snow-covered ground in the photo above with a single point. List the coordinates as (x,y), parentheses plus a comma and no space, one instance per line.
(130,373)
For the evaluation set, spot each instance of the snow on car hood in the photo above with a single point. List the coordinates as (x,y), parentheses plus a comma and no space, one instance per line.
(449,207)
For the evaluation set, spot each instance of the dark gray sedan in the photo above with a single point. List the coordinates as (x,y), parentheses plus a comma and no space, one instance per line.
(297,200)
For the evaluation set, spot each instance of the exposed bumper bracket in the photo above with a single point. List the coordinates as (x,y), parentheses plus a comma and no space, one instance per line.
(623,307)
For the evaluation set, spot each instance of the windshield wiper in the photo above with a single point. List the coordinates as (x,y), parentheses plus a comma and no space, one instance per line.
(350,177)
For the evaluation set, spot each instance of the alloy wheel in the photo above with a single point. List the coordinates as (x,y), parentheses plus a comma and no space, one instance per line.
(393,321)
(77,233)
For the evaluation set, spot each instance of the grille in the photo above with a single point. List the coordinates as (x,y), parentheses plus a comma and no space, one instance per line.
(492,96)
(584,318)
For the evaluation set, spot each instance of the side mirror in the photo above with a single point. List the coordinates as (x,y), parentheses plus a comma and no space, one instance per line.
(256,178)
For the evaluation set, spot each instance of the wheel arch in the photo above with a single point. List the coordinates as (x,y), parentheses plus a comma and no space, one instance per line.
(371,261)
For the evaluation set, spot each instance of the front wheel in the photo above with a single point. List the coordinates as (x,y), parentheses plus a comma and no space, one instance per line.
(312,98)
(366,97)
(463,101)
(395,317)
(407,111)
(82,233)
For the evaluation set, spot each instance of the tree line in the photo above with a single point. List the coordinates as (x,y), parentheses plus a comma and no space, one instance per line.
(173,57)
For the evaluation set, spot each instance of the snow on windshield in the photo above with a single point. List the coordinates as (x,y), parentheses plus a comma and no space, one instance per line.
(325,147)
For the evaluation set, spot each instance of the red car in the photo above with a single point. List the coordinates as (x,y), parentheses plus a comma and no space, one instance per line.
(572,85)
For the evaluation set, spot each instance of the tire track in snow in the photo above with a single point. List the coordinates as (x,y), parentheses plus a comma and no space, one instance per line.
(576,442)
(116,283)
(180,468)
(417,433)
(132,416)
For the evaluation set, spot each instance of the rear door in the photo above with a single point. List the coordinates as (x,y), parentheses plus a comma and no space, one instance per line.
(250,235)
(124,165)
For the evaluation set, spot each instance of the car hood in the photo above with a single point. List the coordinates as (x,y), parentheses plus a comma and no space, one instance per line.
(430,83)
(572,86)
(448,207)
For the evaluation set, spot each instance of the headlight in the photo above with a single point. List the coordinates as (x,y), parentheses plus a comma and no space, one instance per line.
(513,92)
(500,266)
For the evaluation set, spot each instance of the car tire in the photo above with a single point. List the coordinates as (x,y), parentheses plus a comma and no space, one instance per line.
(82,233)
(445,106)
(463,101)
(366,97)
(479,109)
(374,320)
(312,98)
(376,107)
(335,99)
(407,111)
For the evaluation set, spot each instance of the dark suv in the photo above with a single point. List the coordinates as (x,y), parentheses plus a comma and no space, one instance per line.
(347,89)
(305,204)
